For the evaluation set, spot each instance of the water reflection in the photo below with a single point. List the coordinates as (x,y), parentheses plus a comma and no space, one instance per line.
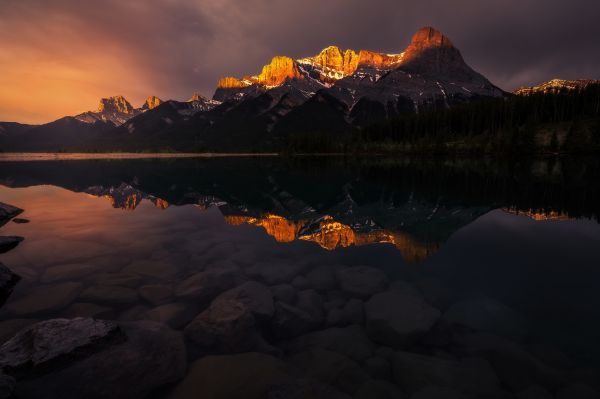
(415,205)
(496,261)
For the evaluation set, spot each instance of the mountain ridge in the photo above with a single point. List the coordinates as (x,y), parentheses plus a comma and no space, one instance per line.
(329,96)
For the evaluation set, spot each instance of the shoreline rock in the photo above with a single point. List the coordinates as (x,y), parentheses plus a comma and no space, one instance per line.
(128,360)
(8,281)
(7,212)
(8,243)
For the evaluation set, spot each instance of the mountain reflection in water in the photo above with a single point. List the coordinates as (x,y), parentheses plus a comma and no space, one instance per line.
(415,205)
(495,260)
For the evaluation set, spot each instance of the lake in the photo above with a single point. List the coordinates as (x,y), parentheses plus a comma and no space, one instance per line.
(322,276)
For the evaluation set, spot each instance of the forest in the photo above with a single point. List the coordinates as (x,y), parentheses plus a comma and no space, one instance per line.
(542,123)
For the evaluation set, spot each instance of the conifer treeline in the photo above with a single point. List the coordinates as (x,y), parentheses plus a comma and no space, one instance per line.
(516,124)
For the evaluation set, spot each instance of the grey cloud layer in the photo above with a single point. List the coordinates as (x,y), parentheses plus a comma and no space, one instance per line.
(182,46)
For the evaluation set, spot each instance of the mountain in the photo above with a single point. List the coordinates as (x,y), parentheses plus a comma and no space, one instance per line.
(117,110)
(430,73)
(556,86)
(330,95)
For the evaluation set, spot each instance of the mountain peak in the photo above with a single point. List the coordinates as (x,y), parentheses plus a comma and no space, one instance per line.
(116,104)
(430,51)
(151,103)
(229,82)
(278,71)
(196,97)
(429,37)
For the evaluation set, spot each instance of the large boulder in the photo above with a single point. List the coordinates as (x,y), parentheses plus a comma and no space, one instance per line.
(242,376)
(414,372)
(396,318)
(362,281)
(9,242)
(8,280)
(39,347)
(8,212)
(151,356)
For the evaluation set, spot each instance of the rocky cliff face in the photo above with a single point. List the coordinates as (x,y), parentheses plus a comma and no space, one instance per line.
(151,103)
(116,110)
(116,104)
(430,73)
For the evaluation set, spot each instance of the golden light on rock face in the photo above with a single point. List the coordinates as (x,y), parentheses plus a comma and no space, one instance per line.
(278,227)
(160,203)
(152,102)
(274,74)
(538,215)
(332,62)
(128,203)
(331,235)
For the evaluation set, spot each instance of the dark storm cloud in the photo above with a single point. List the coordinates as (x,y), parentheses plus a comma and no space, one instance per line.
(172,48)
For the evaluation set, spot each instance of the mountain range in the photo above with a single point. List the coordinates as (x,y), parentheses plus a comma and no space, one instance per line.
(332,94)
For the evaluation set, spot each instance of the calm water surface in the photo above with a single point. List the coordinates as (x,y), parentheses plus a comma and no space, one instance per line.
(509,249)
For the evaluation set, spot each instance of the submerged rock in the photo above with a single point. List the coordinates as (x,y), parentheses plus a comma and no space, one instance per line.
(8,212)
(362,281)
(534,392)
(487,315)
(67,272)
(9,242)
(378,389)
(577,391)
(350,341)
(83,309)
(108,294)
(414,372)
(20,221)
(8,280)
(331,368)
(243,376)
(204,286)
(7,386)
(155,294)
(151,356)
(227,326)
(175,315)
(256,296)
(45,298)
(303,388)
(290,321)
(515,367)
(395,317)
(437,393)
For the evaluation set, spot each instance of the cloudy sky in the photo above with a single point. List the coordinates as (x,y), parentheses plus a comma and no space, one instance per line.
(58,57)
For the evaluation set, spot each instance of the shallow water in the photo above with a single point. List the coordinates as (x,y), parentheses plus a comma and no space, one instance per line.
(524,237)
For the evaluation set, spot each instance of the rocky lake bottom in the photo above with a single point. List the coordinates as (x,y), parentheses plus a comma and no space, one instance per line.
(261,278)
